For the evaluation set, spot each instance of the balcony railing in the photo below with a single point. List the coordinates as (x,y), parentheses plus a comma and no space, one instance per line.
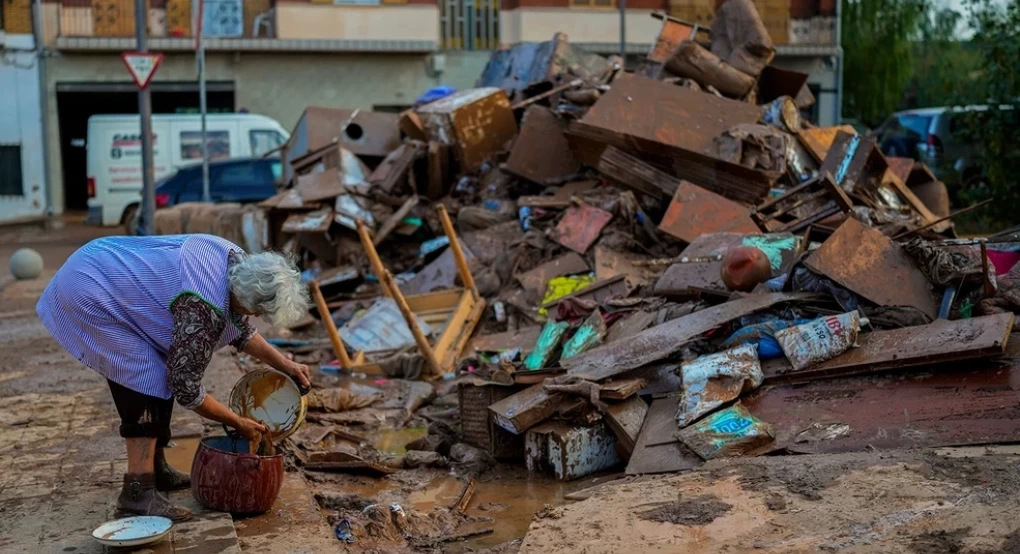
(166,18)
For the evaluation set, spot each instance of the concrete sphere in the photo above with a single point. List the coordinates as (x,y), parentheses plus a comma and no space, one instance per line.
(26,264)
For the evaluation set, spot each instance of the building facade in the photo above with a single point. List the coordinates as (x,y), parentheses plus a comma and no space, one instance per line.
(276,57)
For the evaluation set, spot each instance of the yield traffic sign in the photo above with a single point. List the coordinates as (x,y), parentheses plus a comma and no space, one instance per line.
(142,66)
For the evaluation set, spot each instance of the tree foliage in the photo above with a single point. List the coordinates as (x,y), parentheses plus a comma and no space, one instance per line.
(996,131)
(878,50)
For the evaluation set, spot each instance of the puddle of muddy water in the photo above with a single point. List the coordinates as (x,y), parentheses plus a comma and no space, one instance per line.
(182,453)
(509,495)
(394,441)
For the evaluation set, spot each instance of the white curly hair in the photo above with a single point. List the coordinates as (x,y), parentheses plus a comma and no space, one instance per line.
(269,284)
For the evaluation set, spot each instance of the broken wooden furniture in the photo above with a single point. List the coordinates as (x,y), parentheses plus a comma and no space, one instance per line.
(460,309)
(810,202)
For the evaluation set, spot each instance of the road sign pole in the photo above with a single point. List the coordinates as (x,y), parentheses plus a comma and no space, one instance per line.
(203,107)
(147,225)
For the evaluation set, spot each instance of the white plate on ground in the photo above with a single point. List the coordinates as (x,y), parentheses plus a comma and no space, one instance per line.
(133,531)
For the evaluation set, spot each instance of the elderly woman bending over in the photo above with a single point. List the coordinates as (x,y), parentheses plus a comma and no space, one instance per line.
(147,313)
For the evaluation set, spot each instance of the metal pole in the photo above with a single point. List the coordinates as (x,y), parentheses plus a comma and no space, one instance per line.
(206,197)
(147,224)
(623,31)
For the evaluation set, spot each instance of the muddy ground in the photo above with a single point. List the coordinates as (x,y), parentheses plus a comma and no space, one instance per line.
(61,463)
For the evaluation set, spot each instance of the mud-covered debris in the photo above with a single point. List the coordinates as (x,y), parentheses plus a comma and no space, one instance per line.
(700,510)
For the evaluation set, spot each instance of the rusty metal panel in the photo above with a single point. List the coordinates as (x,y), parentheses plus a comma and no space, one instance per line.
(475,123)
(368,134)
(819,140)
(865,261)
(580,227)
(570,451)
(938,342)
(673,32)
(541,153)
(900,167)
(666,454)
(670,120)
(664,340)
(775,82)
(695,211)
(395,166)
(970,403)
(535,280)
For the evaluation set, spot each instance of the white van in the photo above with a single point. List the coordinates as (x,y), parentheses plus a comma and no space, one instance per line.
(114,151)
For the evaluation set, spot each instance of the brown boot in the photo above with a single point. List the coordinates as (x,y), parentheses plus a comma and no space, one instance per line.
(167,477)
(139,497)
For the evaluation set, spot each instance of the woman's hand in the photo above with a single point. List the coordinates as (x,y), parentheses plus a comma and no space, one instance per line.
(300,374)
(250,429)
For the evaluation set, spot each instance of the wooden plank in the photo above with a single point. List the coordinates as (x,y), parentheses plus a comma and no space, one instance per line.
(937,342)
(637,175)
(523,338)
(531,406)
(621,389)
(695,211)
(458,330)
(432,301)
(610,263)
(867,262)
(625,419)
(663,457)
(669,338)
(316,187)
(395,220)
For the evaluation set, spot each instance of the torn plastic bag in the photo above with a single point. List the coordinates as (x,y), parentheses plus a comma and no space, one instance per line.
(821,339)
(763,335)
(713,380)
(730,432)
(806,281)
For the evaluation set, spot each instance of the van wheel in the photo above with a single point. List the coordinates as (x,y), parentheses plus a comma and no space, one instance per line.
(130,220)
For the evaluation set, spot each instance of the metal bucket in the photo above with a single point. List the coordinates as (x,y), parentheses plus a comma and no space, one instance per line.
(227,478)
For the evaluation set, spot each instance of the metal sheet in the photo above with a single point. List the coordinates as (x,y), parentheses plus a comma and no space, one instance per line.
(900,167)
(775,82)
(440,274)
(580,227)
(939,342)
(818,140)
(368,134)
(669,338)
(673,32)
(664,457)
(314,222)
(695,211)
(955,406)
(865,261)
(541,153)
(570,451)
(670,119)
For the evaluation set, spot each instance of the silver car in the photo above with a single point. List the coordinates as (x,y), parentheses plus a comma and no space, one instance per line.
(932,135)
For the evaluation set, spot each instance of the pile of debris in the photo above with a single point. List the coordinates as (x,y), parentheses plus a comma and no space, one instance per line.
(645,262)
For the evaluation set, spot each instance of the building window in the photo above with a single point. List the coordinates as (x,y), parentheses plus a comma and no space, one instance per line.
(592,3)
(10,171)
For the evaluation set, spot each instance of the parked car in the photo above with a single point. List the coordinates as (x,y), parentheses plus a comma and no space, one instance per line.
(114,152)
(244,180)
(241,180)
(933,136)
